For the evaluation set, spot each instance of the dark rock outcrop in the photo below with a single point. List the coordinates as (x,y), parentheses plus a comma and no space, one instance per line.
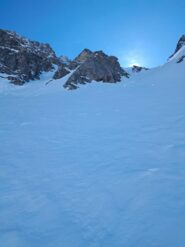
(136,68)
(95,66)
(24,59)
(61,72)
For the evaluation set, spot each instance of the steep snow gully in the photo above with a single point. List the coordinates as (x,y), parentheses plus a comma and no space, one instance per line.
(103,165)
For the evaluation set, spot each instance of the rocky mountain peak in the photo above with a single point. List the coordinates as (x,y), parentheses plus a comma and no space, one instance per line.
(96,67)
(11,40)
(83,55)
(23,59)
(180,43)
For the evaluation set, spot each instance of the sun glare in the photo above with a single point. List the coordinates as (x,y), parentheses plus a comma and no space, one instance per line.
(134,57)
(134,63)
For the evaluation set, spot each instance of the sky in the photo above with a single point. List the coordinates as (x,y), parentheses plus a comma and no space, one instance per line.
(143,32)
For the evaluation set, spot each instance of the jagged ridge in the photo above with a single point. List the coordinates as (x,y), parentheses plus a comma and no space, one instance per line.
(24,60)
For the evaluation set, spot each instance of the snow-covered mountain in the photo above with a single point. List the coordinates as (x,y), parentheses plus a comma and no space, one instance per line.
(103,165)
(22,60)
(179,53)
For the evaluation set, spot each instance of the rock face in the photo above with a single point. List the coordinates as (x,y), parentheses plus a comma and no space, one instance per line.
(86,53)
(24,60)
(95,66)
(61,72)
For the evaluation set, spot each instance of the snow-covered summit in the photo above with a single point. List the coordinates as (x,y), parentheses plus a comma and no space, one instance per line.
(179,53)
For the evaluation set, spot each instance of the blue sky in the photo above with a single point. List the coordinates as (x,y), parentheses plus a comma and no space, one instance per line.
(144,32)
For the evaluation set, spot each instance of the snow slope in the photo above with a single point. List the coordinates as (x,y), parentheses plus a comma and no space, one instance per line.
(101,166)
(178,54)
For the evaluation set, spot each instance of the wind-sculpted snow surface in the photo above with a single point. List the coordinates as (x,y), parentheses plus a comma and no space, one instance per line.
(102,166)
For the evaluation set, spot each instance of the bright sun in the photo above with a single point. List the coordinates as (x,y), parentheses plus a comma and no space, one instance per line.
(134,62)
(133,57)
